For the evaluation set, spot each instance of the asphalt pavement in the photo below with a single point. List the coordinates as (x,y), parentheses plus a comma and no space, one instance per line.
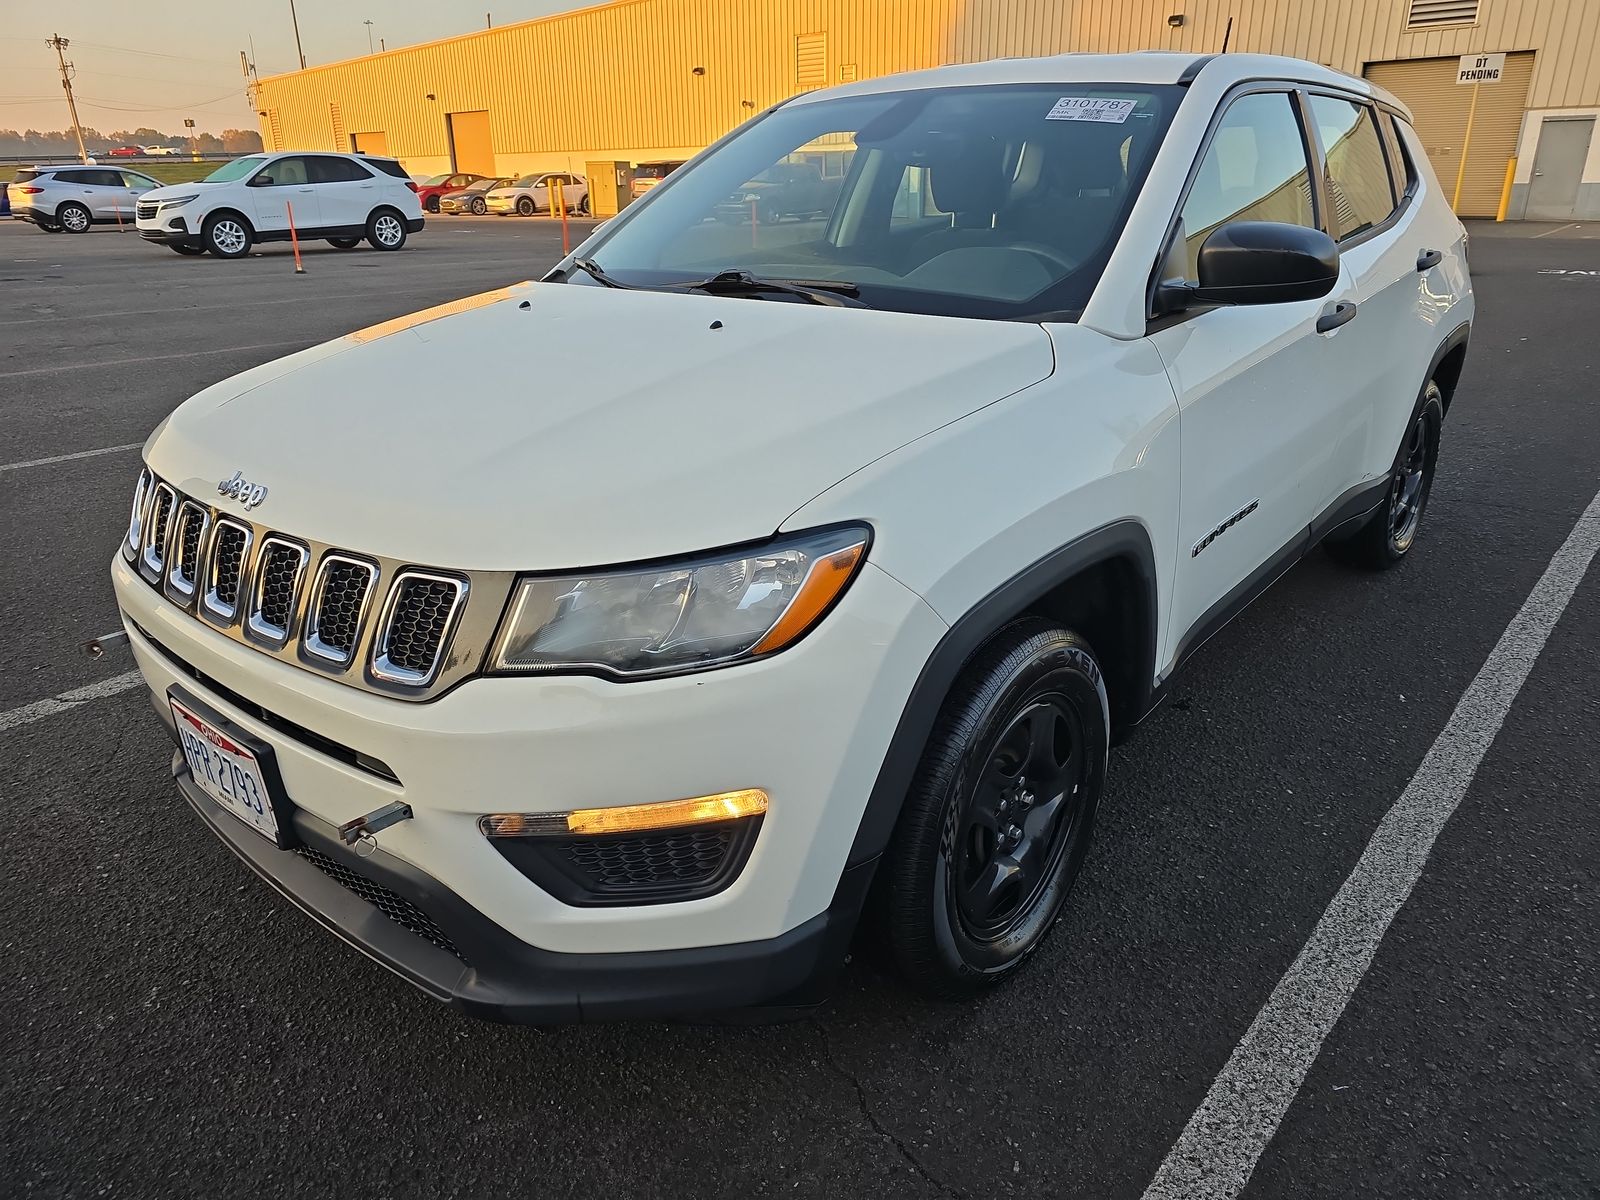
(171,1028)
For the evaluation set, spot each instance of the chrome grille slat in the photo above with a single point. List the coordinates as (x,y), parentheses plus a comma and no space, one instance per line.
(153,551)
(186,546)
(280,570)
(141,502)
(225,570)
(338,607)
(415,627)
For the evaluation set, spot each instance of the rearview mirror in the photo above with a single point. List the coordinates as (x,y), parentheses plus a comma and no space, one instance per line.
(1258,262)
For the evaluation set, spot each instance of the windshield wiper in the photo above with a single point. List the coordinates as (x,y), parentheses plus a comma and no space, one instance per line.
(836,293)
(592,269)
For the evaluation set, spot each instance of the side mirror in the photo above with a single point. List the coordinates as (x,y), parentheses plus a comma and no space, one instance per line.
(1258,262)
(262,180)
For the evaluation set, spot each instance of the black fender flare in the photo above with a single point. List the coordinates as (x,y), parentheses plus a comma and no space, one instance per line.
(1124,539)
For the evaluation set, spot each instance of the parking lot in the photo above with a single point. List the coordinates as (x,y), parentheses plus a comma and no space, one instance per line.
(172,1028)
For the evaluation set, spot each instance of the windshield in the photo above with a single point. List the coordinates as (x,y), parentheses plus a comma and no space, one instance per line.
(527,181)
(237,169)
(434,180)
(1000,202)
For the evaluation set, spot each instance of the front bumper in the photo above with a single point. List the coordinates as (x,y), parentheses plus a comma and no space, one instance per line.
(168,229)
(810,726)
(462,958)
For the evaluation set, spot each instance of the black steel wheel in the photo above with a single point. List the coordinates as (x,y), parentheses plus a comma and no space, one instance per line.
(1000,816)
(1388,535)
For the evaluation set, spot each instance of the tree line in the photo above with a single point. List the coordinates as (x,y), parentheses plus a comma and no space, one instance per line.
(62,141)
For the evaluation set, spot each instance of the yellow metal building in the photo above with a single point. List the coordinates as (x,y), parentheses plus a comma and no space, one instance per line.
(638,80)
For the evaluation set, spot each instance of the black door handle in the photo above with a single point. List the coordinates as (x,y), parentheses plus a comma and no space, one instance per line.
(1336,316)
(1429,259)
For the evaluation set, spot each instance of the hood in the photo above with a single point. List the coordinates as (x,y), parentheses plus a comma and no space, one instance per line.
(169,191)
(553,426)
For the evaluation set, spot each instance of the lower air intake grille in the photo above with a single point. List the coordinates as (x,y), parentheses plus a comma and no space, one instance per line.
(687,857)
(391,904)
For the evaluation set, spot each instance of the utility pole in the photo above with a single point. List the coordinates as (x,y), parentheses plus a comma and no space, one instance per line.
(60,43)
(293,17)
(368,24)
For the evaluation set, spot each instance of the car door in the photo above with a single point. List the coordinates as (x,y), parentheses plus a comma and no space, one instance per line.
(1382,247)
(1258,388)
(346,191)
(281,184)
(104,193)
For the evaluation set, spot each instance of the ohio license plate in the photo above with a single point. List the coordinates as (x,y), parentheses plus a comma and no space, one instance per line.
(230,772)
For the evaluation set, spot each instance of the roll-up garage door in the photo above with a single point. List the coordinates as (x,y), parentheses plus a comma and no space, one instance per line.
(469,140)
(1440,105)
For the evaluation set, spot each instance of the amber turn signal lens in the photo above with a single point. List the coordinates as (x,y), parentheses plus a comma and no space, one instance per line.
(628,818)
(632,818)
(824,581)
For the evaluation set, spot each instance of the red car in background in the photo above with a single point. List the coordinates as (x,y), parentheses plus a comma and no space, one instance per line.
(125,151)
(429,190)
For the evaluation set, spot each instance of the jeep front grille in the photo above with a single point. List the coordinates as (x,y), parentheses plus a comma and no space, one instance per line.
(372,623)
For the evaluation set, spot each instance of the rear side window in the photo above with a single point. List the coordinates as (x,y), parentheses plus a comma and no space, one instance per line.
(328,169)
(388,166)
(101,178)
(1255,169)
(1355,165)
(1405,175)
(75,177)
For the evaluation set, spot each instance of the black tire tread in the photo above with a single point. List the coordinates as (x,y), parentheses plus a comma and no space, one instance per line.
(901,886)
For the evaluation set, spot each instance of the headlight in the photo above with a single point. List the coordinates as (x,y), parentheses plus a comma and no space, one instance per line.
(175,202)
(684,616)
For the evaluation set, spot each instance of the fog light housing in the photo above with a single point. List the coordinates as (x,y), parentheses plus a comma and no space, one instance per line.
(633,854)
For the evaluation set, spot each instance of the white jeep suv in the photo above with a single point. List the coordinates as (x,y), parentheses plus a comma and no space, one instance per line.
(629,693)
(342,198)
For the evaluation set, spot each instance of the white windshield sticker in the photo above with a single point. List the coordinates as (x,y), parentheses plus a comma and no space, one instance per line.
(1088,108)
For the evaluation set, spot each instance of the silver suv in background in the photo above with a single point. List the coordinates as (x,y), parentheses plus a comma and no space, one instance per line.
(74,197)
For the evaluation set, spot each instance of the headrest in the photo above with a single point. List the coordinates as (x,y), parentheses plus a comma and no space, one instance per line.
(967,175)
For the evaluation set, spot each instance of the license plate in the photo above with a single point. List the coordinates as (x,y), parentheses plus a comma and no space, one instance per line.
(229,771)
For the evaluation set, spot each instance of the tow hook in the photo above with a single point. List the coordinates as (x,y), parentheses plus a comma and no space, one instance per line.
(359,832)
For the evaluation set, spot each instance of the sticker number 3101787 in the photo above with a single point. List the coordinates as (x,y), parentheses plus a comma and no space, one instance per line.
(1090,108)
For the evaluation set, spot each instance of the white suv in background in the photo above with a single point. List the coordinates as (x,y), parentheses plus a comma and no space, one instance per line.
(628,692)
(340,197)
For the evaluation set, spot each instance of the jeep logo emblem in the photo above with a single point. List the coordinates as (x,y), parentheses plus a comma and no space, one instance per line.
(237,487)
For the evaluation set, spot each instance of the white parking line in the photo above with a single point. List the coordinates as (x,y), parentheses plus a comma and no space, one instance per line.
(67,701)
(123,362)
(60,458)
(1219,1148)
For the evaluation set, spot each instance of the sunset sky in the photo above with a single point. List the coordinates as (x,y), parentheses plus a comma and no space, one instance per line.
(154,64)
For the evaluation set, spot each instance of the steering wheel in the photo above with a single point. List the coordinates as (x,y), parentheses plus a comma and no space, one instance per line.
(1048,253)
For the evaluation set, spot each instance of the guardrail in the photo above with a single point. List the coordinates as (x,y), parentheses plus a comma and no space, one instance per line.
(103,157)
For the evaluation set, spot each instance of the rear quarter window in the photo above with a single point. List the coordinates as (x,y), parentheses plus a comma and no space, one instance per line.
(388,166)
(24,176)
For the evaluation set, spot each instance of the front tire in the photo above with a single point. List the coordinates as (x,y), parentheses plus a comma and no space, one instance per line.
(1000,814)
(526,206)
(479,206)
(385,230)
(74,217)
(1387,535)
(226,235)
